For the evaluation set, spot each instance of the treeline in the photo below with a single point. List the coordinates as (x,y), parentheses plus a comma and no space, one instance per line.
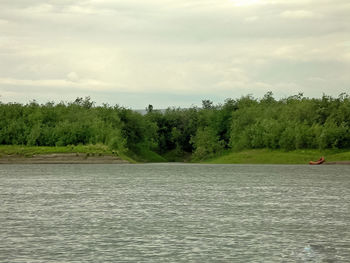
(291,123)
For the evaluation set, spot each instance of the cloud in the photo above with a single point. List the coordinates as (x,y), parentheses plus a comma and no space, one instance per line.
(3,22)
(212,48)
(72,76)
(251,19)
(85,84)
(299,14)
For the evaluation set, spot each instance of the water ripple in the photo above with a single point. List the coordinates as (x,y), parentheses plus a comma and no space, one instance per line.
(174,213)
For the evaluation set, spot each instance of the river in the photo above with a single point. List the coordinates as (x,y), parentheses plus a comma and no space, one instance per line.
(174,213)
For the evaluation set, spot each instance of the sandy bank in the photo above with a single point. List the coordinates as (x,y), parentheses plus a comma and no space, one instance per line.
(61,158)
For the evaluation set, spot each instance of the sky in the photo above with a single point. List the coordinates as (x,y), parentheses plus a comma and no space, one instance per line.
(172,52)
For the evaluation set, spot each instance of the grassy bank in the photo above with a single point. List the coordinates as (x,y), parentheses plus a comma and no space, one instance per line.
(258,156)
(29,151)
(143,156)
(266,156)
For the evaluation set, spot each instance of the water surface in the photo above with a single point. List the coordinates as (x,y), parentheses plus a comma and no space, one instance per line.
(174,213)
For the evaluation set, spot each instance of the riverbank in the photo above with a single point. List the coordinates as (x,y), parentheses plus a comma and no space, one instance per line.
(101,154)
(62,158)
(266,156)
(81,154)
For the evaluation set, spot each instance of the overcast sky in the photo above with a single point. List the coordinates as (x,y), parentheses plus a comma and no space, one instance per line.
(172,52)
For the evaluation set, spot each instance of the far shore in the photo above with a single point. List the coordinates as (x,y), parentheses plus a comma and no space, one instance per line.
(83,158)
(267,156)
(343,162)
(62,158)
(101,154)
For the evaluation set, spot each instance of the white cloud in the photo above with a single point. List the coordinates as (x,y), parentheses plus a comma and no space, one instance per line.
(299,14)
(3,22)
(172,47)
(85,84)
(246,2)
(251,19)
(72,76)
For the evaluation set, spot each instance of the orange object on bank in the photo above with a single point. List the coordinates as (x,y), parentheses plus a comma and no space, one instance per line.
(320,161)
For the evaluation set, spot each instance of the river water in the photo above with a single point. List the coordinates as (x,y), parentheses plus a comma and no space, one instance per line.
(174,213)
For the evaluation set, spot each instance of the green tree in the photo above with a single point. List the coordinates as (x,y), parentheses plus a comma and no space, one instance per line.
(206,143)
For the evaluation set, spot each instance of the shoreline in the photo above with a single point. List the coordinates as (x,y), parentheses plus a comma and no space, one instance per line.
(62,158)
(101,154)
(340,162)
(83,158)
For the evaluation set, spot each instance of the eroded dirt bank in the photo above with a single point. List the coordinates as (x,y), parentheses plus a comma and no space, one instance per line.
(61,158)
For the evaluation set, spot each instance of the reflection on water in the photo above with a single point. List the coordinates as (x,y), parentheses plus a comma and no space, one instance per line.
(174,212)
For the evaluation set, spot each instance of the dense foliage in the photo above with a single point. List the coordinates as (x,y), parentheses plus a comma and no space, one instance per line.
(291,123)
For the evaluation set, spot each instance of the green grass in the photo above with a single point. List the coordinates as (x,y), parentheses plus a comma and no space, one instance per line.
(145,156)
(266,156)
(29,151)
(141,153)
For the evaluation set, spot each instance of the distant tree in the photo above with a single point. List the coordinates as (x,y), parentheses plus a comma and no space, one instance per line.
(295,122)
(206,143)
(207,104)
(268,98)
(86,102)
(149,108)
